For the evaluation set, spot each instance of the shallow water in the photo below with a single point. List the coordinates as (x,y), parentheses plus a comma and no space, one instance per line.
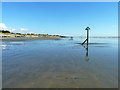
(60,64)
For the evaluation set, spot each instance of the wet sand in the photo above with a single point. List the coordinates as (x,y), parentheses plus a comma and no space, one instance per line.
(92,43)
(28,38)
(60,64)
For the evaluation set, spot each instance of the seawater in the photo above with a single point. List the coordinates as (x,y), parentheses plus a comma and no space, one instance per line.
(60,63)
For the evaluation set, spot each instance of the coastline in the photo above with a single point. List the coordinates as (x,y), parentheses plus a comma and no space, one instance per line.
(28,38)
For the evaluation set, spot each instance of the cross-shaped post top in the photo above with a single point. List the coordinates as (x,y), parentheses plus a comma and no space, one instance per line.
(87,28)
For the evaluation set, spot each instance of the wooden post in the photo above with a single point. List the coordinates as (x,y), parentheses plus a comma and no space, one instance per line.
(87,39)
(87,36)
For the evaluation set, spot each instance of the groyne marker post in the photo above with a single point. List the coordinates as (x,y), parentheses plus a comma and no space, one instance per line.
(87,34)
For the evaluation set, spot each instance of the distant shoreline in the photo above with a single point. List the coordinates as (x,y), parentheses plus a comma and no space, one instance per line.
(28,38)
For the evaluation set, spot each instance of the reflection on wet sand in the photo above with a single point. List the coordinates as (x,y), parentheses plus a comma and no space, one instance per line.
(87,58)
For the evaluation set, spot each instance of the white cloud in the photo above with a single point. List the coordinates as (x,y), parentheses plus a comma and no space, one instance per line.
(12,30)
(3,26)
(30,32)
(23,29)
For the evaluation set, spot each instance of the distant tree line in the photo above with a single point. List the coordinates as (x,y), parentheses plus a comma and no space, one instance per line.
(4,31)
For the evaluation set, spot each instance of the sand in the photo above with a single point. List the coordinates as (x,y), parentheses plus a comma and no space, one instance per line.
(28,38)
(91,43)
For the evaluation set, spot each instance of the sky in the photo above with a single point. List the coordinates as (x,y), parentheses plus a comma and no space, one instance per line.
(61,18)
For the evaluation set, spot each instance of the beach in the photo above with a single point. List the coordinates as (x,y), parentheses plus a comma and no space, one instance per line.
(59,44)
(28,38)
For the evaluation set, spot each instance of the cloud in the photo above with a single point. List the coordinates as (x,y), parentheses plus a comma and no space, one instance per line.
(30,32)
(12,30)
(3,26)
(23,29)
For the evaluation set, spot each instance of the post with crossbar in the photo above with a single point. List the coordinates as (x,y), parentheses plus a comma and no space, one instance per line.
(87,35)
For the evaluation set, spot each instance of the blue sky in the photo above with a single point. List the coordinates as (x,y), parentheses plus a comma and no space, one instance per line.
(62,18)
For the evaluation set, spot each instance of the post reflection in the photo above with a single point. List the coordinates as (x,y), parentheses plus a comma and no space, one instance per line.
(87,58)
